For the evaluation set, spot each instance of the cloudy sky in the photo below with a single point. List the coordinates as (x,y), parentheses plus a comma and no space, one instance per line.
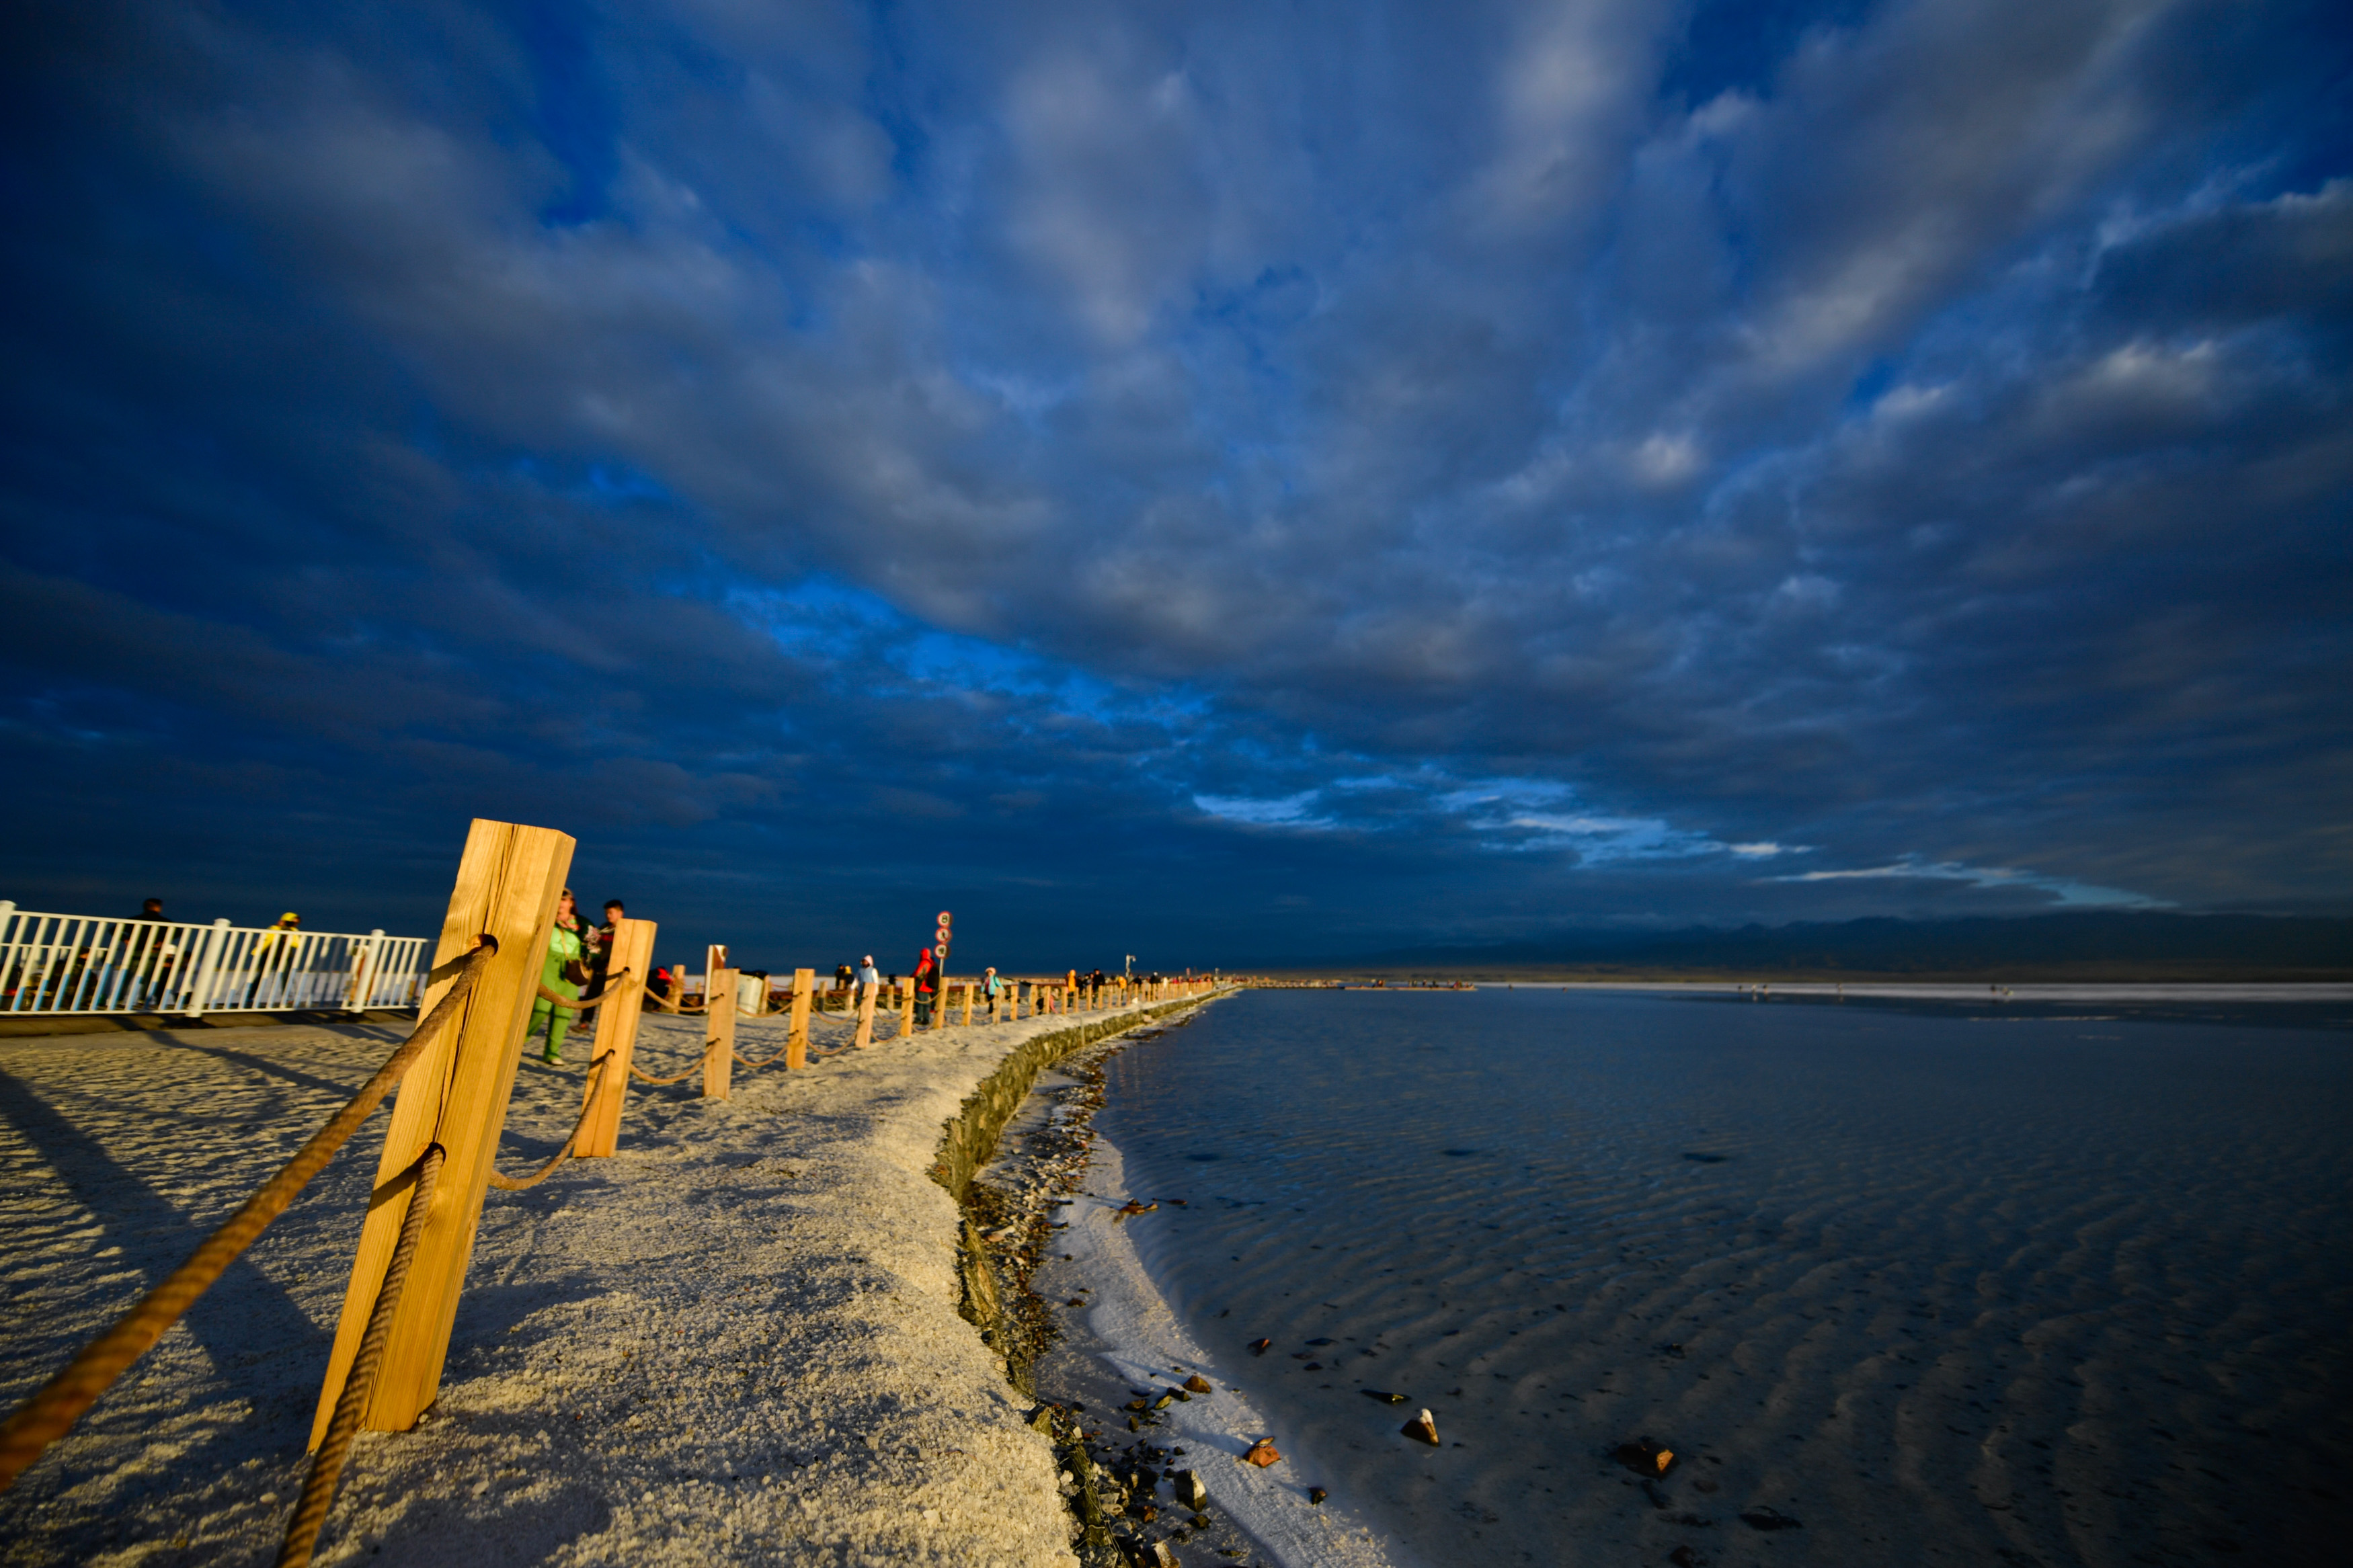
(1213,481)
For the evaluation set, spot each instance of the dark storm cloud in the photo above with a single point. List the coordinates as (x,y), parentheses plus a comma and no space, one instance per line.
(1359,469)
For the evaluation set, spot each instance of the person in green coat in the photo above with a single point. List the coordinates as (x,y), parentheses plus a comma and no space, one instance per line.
(564,972)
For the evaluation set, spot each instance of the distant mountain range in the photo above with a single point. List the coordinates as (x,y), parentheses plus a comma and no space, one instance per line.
(2087,945)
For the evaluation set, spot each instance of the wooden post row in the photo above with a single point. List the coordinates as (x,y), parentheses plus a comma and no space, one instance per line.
(719,1033)
(454,1095)
(617,1039)
(797,1042)
(906,1008)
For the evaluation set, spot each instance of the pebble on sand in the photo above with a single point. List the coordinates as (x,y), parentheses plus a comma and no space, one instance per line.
(1423,1427)
(1644,1457)
(1196,1383)
(1262,1453)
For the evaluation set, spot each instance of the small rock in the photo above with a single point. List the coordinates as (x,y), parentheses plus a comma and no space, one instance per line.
(1189,1490)
(1261,1453)
(1260,1347)
(1644,1457)
(1384,1395)
(1703,1485)
(1198,1384)
(1315,1496)
(1423,1427)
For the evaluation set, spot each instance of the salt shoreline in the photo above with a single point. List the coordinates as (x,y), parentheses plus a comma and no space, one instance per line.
(739,1340)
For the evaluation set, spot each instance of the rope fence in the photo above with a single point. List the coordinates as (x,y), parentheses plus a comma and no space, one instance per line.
(327,1467)
(587,1108)
(50,1414)
(389,1349)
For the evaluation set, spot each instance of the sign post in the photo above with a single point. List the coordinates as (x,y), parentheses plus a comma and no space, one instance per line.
(939,972)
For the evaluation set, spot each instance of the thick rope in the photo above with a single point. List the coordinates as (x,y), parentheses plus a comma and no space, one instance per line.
(327,1469)
(764,1062)
(52,1413)
(581,1003)
(636,1072)
(521,1183)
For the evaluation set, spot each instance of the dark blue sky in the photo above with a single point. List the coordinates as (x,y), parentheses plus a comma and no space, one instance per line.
(1210,481)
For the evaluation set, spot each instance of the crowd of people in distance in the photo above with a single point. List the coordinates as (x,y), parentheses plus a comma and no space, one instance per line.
(579,954)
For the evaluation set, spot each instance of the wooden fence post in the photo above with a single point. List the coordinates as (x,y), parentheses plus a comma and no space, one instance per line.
(616,1038)
(719,1033)
(906,1008)
(796,1043)
(454,1095)
(865,1035)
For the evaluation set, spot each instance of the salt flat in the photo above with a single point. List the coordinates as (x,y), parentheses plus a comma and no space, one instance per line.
(1896,1283)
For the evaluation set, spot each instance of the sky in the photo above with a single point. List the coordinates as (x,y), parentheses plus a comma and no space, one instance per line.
(1213,482)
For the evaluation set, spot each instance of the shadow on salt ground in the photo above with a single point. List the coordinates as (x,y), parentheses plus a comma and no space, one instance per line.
(538,1492)
(260,1066)
(245,1428)
(154,1236)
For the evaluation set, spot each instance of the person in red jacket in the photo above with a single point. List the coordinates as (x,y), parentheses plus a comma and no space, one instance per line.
(927,971)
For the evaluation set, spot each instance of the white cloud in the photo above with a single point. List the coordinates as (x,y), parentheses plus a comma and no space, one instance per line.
(1291,811)
(2065,889)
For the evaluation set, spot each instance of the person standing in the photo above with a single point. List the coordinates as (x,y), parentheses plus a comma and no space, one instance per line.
(867,977)
(993,988)
(273,948)
(149,954)
(563,971)
(600,944)
(927,970)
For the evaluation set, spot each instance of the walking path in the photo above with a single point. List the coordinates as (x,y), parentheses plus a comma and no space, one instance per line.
(738,1340)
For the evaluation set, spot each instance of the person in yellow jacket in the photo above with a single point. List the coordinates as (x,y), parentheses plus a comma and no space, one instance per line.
(272,950)
(563,971)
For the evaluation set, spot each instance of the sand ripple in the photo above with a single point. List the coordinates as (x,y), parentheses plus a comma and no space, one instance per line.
(1940,1289)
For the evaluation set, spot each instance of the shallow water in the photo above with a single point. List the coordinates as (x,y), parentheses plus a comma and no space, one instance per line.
(1937,1284)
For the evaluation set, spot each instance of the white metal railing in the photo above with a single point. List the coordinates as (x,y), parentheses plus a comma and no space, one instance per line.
(86,963)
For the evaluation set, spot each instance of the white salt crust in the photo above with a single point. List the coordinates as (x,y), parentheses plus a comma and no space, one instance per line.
(737,1341)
